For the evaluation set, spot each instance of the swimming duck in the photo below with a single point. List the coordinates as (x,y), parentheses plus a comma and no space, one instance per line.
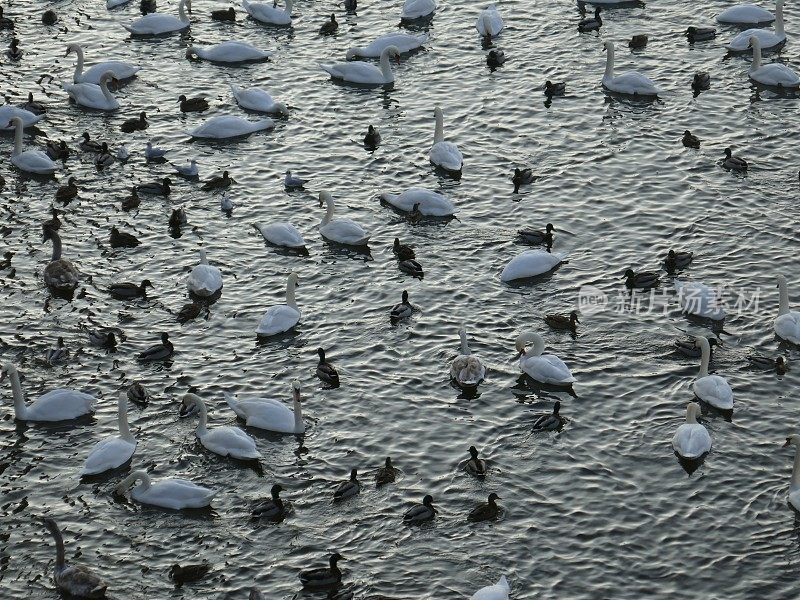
(89,145)
(132,125)
(402,310)
(350,5)
(537,237)
(711,389)
(591,23)
(223,15)
(386,474)
(175,494)
(189,312)
(475,466)
(444,155)
(420,513)
(787,323)
(281,317)
(689,347)
(177,218)
(104,158)
(642,280)
(137,393)
(274,509)
(349,488)
(59,275)
(102,338)
(131,201)
(37,108)
(554,89)
(192,104)
(204,280)
(544,368)
(120,239)
(487,511)
(123,291)
(401,251)
(557,321)
(329,27)
(700,34)
(74,580)
(701,81)
(778,365)
(115,451)
(794,487)
(5,22)
(638,41)
(550,422)
(270,414)
(326,371)
(57,353)
(734,163)
(158,352)
(60,404)
(691,440)
(189,171)
(188,573)
(149,6)
(690,141)
(325,576)
(415,215)
(226,440)
(14,52)
(57,150)
(412,267)
(217,183)
(291,182)
(152,153)
(522,177)
(372,138)
(677,260)
(65,193)
(155,188)
(495,58)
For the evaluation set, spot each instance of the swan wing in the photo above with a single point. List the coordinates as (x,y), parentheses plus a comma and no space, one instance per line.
(9,112)
(691,440)
(787,326)
(61,405)
(268,414)
(175,494)
(230,441)
(278,319)
(205,280)
(282,234)
(447,155)
(767,38)
(775,74)
(155,23)
(715,390)
(230,126)
(414,9)
(530,264)
(745,14)
(107,454)
(345,231)
(121,70)
(404,42)
(35,160)
(355,72)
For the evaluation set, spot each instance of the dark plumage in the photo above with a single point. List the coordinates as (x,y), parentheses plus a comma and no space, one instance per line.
(522,177)
(13,52)
(373,138)
(132,125)
(325,576)
(386,474)
(487,511)
(149,6)
(158,352)
(554,89)
(177,218)
(192,104)
(411,267)
(638,41)
(74,580)
(401,251)
(326,371)
(122,291)
(156,188)
(53,222)
(57,150)
(329,27)
(475,466)
(677,260)
(557,321)
(689,140)
(274,508)
(700,34)
(415,215)
(218,183)
(33,106)
(223,15)
(420,513)
(689,347)
(5,22)
(138,393)
(89,145)
(642,280)
(550,422)
(779,364)
(349,488)
(104,158)
(538,237)
(189,312)
(131,201)
(49,17)
(65,193)
(495,58)
(701,81)
(403,309)
(120,239)
(189,573)
(102,338)
(734,163)
(591,23)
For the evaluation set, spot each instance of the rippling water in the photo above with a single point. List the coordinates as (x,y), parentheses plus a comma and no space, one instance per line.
(601,509)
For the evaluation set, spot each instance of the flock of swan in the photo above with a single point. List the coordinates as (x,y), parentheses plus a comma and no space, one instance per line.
(91,88)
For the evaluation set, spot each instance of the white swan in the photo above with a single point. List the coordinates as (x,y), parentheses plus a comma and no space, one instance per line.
(771,74)
(175,494)
(431,204)
(220,128)
(204,280)
(258,100)
(282,317)
(269,414)
(56,405)
(489,22)
(8,112)
(787,323)
(417,9)
(93,96)
(498,591)
(269,13)
(711,389)
(31,161)
(114,451)
(466,370)
(631,83)
(225,441)
(120,69)
(745,14)
(769,39)
(698,299)
(158,23)
(444,154)
(282,234)
(341,231)
(404,42)
(794,486)
(364,73)
(530,264)
(544,368)
(228,52)
(691,440)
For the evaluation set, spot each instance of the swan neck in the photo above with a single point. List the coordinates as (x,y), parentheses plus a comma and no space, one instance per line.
(122,421)
(784,298)
(386,69)
(298,413)
(19,400)
(106,92)
(438,133)
(756,64)
(779,19)
(56,239)
(691,417)
(17,139)
(609,74)
(538,346)
(290,300)
(706,357)
(78,67)
(464,345)
(288,8)
(59,539)
(182,11)
(796,470)
(203,414)
(328,213)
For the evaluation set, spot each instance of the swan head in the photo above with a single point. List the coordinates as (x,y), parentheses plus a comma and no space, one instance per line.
(126,483)
(72,48)
(755,44)
(108,77)
(296,389)
(525,338)
(608,46)
(293,280)
(391,52)
(692,411)
(7,370)
(437,112)
(325,198)
(352,54)
(282,109)
(190,405)
(792,440)
(781,281)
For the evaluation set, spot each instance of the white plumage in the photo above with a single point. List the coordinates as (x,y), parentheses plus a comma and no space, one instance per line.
(431,203)
(691,440)
(489,21)
(229,52)
(631,83)
(226,440)
(341,231)
(282,234)
(362,72)
(745,14)
(769,40)
(544,368)
(699,299)
(269,13)
(175,494)
(269,414)
(531,263)
(93,96)
(498,591)
(282,317)
(404,42)
(158,23)
(787,323)
(228,126)
(204,280)
(31,161)
(114,451)
(417,9)
(258,100)
(712,389)
(771,74)
(121,70)
(444,154)
(60,404)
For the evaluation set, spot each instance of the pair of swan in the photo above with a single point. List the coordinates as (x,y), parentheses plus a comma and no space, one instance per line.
(712,389)
(56,405)
(226,440)
(258,100)
(96,96)
(498,591)
(228,52)
(365,73)
(269,13)
(700,300)
(430,203)
(691,440)
(489,23)
(204,280)
(544,368)
(445,155)
(745,14)
(631,83)
(121,70)
(175,494)
(282,234)
(467,370)
(227,126)
(341,231)
(787,323)
(115,451)
(30,161)
(159,24)
(270,414)
(769,40)
(531,263)
(404,42)
(417,9)
(772,74)
(282,317)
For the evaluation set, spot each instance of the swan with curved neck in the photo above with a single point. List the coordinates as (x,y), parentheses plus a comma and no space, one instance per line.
(282,317)
(270,414)
(544,368)
(787,323)
(56,405)
(175,494)
(631,83)
(341,231)
(712,389)
(769,40)
(31,161)
(112,452)
(225,441)
(121,70)
(89,95)
(76,580)
(365,73)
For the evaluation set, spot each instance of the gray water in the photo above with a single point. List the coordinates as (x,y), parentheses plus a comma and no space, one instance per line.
(601,509)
